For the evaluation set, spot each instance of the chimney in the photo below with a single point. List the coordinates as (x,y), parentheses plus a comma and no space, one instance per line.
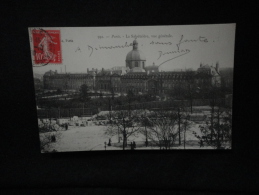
(153,63)
(56,71)
(65,69)
(60,69)
(92,68)
(102,69)
(87,70)
(200,65)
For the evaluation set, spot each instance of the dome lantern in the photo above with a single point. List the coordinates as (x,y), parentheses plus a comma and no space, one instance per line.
(135,44)
(135,58)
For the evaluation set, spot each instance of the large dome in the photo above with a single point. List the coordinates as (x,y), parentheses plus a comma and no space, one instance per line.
(135,55)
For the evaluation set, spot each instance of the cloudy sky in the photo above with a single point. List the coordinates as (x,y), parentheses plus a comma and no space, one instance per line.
(172,47)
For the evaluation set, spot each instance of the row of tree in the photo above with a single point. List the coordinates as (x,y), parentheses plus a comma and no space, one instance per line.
(165,128)
(190,89)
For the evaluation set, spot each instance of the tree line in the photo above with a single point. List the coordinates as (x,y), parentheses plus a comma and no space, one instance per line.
(167,128)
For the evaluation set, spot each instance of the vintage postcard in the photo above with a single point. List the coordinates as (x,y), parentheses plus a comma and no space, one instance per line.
(133,87)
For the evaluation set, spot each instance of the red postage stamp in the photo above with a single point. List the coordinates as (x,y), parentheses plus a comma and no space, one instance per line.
(46,47)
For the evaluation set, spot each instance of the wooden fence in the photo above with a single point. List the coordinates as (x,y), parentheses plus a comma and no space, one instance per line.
(163,105)
(66,112)
(167,104)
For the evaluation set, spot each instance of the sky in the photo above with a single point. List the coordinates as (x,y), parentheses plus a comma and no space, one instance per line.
(171,47)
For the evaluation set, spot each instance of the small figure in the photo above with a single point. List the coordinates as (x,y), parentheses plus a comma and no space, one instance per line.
(134,145)
(66,126)
(131,146)
(109,144)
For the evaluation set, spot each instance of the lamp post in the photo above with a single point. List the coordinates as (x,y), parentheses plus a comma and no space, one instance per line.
(105,145)
(146,123)
(116,122)
(118,135)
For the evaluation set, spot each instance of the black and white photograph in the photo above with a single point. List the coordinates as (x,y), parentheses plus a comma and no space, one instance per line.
(129,97)
(133,87)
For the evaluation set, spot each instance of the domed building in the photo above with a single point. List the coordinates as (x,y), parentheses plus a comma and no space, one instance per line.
(135,59)
(136,76)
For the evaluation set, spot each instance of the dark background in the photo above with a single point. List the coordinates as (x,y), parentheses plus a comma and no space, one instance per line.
(23,169)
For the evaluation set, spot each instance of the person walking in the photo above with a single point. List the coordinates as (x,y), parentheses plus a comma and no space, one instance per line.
(109,144)
(134,145)
(131,146)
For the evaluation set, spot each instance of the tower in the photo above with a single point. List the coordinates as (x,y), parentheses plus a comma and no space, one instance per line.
(135,59)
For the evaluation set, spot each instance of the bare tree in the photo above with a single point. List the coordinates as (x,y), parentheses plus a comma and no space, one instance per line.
(179,121)
(163,129)
(186,125)
(49,134)
(178,108)
(110,103)
(217,130)
(145,122)
(125,123)
(190,87)
(210,86)
(227,126)
(183,123)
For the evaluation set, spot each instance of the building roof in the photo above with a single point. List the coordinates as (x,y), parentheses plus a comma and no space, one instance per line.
(171,73)
(152,67)
(104,73)
(137,69)
(50,72)
(91,72)
(208,69)
(205,66)
(119,72)
(119,68)
(134,75)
